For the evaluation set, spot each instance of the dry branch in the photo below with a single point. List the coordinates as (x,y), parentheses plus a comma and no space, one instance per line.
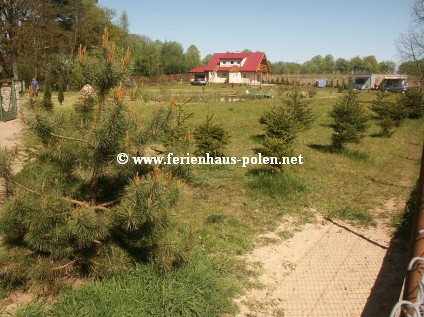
(73,201)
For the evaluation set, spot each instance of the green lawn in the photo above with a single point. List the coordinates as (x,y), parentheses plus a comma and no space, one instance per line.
(225,207)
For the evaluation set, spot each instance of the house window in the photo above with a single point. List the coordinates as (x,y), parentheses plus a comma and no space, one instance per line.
(224,62)
(232,62)
(224,74)
(244,75)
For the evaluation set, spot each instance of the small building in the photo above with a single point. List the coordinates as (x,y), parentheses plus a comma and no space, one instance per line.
(234,68)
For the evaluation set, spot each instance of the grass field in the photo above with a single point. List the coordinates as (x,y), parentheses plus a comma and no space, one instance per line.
(225,207)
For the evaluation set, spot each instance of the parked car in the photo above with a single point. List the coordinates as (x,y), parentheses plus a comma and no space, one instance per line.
(199,82)
(395,86)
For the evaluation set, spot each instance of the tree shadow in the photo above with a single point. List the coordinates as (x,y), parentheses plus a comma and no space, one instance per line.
(352,154)
(377,135)
(258,138)
(261,170)
(325,148)
(388,285)
(381,135)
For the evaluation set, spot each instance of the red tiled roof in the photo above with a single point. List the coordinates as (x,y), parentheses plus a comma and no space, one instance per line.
(199,69)
(251,64)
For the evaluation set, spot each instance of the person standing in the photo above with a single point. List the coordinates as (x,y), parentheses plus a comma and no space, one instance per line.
(35,87)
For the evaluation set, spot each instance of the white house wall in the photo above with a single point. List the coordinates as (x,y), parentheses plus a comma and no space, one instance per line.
(249,78)
(235,78)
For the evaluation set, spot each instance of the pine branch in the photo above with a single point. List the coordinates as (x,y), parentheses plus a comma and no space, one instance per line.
(71,138)
(73,201)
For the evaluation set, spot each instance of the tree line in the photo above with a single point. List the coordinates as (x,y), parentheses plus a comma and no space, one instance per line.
(40,38)
(328,65)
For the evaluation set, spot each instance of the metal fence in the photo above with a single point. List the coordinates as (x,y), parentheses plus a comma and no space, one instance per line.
(412,304)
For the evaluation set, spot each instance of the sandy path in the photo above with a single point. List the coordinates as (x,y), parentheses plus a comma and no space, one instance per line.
(327,269)
(9,133)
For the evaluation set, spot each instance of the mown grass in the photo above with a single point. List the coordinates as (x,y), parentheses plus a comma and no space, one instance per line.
(224,208)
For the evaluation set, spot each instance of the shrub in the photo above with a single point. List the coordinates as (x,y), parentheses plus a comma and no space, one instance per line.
(210,138)
(351,119)
(413,100)
(47,97)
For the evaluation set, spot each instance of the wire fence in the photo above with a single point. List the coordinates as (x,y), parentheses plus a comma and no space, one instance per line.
(408,308)
(412,304)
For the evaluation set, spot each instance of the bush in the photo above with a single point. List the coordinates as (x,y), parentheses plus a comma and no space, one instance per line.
(210,138)
(47,98)
(351,119)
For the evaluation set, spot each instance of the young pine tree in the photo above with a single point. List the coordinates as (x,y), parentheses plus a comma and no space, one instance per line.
(210,138)
(282,124)
(74,210)
(390,113)
(47,97)
(60,95)
(350,120)
(413,99)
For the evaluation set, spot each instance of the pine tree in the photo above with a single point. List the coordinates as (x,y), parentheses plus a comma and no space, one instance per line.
(413,100)
(73,210)
(101,69)
(210,138)
(282,125)
(60,95)
(390,112)
(351,120)
(47,97)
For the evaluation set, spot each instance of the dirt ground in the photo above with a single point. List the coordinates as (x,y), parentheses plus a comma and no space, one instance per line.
(329,268)
(9,133)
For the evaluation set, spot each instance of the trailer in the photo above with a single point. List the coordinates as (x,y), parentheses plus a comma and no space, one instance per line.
(386,82)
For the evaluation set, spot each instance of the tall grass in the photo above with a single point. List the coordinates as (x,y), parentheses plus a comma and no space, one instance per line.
(200,288)
(277,186)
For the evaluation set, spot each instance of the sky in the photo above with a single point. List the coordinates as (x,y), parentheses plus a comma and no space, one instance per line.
(293,31)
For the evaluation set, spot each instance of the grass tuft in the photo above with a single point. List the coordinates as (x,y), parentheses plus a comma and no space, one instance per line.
(360,217)
(280,185)
(215,217)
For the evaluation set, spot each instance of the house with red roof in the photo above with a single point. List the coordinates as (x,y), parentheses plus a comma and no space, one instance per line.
(234,68)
